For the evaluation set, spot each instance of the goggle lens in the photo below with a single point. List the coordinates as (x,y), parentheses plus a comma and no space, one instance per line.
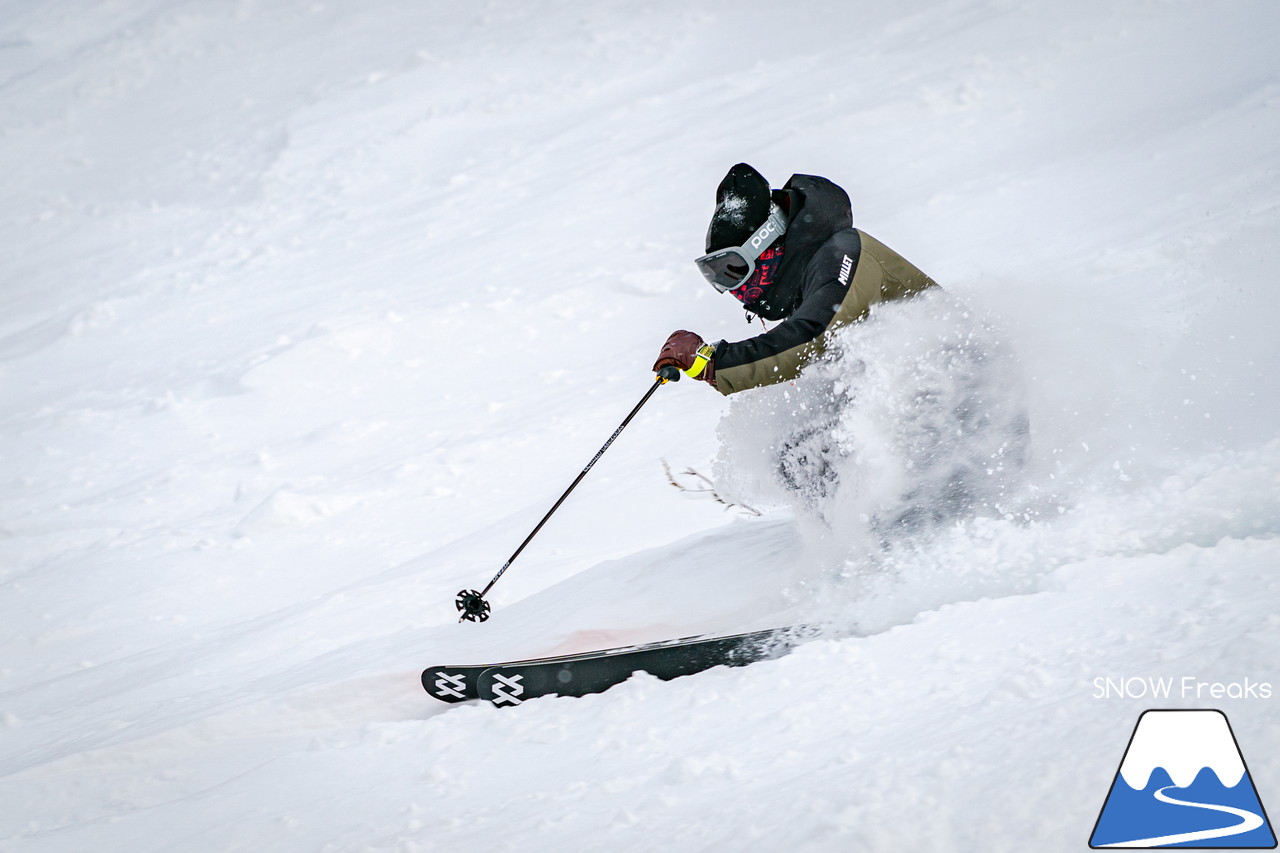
(725,269)
(729,268)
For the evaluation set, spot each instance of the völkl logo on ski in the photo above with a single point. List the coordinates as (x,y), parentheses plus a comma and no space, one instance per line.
(1182,783)
(507,689)
(451,685)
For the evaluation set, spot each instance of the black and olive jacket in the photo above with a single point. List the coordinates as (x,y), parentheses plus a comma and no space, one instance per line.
(831,274)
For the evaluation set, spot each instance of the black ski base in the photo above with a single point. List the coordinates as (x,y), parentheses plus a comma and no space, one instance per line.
(516,682)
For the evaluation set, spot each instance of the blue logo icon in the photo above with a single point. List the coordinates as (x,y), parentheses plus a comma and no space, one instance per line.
(1183,783)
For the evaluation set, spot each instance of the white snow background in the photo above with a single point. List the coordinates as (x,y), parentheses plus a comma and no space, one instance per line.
(308,311)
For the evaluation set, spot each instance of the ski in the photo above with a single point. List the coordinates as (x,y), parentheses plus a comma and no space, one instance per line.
(453,683)
(508,684)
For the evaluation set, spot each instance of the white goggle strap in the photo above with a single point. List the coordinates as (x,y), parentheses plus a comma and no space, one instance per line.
(773,228)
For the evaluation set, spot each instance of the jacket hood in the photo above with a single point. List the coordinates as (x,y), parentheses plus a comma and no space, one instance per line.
(818,209)
(823,210)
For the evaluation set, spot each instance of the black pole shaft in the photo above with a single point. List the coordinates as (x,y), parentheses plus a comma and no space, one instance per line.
(657,383)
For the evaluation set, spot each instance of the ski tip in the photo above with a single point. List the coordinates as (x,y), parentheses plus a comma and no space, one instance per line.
(451,683)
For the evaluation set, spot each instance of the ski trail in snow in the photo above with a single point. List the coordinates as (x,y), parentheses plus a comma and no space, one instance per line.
(1248,822)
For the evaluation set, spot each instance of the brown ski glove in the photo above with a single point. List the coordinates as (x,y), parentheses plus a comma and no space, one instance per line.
(691,354)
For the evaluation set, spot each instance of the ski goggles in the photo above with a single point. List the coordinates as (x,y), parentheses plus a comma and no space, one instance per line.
(728,268)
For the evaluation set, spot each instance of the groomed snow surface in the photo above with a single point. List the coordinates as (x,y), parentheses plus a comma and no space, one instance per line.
(308,311)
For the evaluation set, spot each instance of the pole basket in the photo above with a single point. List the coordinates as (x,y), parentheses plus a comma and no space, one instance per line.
(472,606)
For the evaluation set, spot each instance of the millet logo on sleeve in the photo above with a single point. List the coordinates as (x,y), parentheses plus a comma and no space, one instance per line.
(846,267)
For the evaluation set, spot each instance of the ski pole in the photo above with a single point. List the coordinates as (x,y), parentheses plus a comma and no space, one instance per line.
(470,603)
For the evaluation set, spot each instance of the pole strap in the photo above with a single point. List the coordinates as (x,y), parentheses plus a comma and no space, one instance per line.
(700,360)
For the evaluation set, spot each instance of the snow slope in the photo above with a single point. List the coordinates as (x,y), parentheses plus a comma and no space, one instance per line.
(309,311)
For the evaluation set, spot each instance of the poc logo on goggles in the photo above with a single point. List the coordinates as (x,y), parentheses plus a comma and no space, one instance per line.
(762,237)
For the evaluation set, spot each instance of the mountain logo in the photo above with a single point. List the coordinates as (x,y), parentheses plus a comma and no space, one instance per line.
(1183,783)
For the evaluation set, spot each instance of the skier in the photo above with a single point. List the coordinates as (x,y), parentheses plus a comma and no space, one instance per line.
(791,255)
